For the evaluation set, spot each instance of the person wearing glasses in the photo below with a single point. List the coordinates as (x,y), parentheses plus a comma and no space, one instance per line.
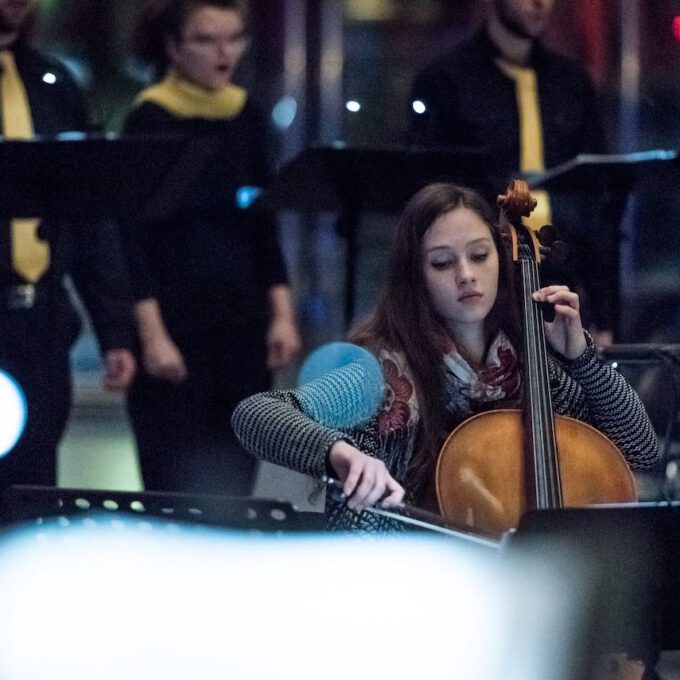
(214,309)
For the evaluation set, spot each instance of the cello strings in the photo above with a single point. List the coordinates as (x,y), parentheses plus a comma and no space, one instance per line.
(539,398)
(551,463)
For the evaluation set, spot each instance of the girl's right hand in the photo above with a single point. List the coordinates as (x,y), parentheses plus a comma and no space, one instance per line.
(365,480)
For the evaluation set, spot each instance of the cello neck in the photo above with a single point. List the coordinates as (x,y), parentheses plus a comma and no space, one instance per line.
(539,423)
(540,446)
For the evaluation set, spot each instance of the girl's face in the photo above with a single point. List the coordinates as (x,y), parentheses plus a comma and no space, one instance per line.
(460,264)
(210,47)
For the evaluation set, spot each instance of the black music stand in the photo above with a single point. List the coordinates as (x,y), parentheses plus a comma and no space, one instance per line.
(91,177)
(614,177)
(632,552)
(617,173)
(352,180)
(35,505)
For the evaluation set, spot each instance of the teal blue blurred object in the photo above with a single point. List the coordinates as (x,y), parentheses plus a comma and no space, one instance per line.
(246,196)
(341,385)
(12,413)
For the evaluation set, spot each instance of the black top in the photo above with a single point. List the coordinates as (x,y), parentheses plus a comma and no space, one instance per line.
(90,252)
(211,244)
(470,102)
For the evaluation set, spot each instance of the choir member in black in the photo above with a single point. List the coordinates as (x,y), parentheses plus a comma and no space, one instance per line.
(213,305)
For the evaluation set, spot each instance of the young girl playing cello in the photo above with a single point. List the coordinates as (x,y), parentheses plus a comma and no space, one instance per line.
(446,333)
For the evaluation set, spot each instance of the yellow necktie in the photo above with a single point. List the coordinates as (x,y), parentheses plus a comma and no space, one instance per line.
(30,255)
(530,136)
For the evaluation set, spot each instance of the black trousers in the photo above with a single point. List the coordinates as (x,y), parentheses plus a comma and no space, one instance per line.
(34,350)
(183,432)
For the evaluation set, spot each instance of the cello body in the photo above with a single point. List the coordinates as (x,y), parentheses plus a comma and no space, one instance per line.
(484,481)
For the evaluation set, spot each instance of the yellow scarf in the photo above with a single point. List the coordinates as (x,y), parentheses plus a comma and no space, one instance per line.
(30,254)
(186,100)
(531,158)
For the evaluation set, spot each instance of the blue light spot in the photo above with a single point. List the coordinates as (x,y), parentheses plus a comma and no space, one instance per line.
(353,106)
(72,136)
(246,196)
(284,112)
(354,397)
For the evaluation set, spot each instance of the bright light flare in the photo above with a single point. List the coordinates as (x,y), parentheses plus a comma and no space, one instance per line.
(110,599)
(12,412)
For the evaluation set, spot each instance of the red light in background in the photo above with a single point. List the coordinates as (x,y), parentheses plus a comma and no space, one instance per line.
(676,28)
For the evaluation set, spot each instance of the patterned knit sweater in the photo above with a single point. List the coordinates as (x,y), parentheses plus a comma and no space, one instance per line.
(274,427)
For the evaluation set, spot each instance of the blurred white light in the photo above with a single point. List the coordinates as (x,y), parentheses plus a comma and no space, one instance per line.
(49,78)
(12,413)
(353,106)
(91,602)
(419,106)
(284,112)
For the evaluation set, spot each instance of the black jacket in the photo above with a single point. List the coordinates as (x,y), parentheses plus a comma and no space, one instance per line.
(89,252)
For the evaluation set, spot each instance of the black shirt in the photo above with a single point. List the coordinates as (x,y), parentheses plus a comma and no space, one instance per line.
(211,246)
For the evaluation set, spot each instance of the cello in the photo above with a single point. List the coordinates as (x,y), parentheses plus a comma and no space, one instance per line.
(496,465)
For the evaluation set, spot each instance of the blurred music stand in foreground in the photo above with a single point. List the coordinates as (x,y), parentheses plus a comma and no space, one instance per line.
(633,552)
(31,505)
(350,181)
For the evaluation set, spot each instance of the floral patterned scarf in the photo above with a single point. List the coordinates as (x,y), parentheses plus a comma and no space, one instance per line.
(467,391)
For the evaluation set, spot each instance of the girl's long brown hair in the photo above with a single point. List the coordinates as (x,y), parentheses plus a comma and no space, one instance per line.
(404,319)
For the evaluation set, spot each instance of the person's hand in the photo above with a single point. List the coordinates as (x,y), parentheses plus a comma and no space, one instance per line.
(119,369)
(565,332)
(365,480)
(283,344)
(162,359)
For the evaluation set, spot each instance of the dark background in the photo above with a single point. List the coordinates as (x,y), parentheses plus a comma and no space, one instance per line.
(316,55)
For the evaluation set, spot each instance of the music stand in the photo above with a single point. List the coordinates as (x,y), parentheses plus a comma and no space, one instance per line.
(614,177)
(94,177)
(33,505)
(634,554)
(618,173)
(352,180)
